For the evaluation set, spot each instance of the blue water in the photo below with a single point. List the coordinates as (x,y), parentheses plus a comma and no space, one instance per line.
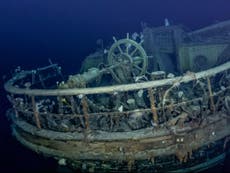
(32,31)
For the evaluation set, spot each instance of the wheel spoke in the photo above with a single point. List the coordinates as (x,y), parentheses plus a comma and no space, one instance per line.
(137,67)
(127,48)
(138,58)
(133,52)
(119,47)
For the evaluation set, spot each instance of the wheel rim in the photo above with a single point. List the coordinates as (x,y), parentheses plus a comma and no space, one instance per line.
(128,51)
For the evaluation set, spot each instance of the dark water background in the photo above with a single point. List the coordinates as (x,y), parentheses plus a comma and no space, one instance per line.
(32,31)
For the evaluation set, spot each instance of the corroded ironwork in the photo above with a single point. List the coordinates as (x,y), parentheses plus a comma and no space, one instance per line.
(104,119)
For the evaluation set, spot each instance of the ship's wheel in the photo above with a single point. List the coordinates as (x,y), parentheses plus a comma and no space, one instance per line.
(128,53)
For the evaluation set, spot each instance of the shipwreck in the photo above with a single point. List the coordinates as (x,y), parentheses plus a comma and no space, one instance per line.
(153,101)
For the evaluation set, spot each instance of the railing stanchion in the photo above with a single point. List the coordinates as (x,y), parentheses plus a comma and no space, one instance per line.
(153,107)
(36,114)
(212,106)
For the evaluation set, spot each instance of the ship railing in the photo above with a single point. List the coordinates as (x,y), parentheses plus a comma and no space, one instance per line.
(173,101)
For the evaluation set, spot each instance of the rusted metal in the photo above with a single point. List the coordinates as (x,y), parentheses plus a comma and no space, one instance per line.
(120,149)
(85,111)
(116,123)
(36,114)
(153,107)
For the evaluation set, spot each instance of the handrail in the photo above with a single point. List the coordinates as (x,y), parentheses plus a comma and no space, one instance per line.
(9,85)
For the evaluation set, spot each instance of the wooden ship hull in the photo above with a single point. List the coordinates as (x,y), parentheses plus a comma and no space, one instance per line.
(140,121)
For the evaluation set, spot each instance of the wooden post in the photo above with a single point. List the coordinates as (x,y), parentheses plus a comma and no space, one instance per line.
(60,105)
(36,115)
(85,111)
(153,107)
(72,105)
(212,106)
